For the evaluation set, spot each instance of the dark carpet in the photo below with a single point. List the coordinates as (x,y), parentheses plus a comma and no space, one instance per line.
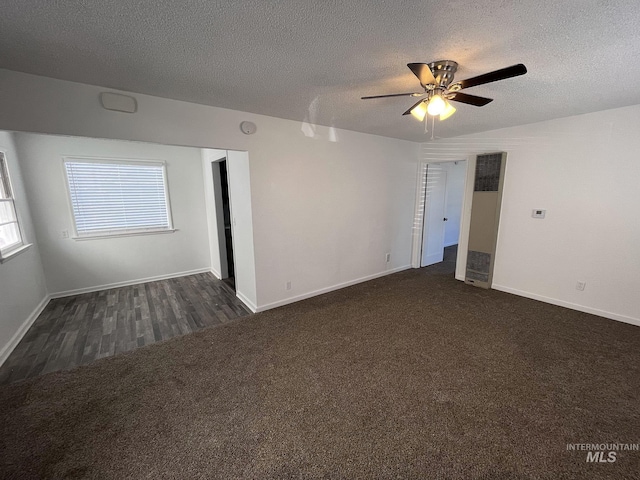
(414,375)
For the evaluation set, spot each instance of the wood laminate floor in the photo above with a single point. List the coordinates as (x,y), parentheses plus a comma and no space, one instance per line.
(77,330)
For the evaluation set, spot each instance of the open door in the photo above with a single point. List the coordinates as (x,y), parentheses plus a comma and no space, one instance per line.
(434,215)
(223,221)
(229,278)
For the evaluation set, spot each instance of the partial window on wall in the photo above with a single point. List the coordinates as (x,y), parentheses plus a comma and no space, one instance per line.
(10,232)
(118,197)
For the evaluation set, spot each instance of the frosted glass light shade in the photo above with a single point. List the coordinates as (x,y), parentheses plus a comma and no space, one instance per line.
(420,111)
(436,105)
(448,111)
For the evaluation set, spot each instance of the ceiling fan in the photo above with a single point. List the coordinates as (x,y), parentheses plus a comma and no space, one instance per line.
(436,79)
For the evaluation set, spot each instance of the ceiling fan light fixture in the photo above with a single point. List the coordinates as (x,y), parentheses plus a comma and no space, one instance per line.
(420,111)
(436,105)
(448,111)
(436,79)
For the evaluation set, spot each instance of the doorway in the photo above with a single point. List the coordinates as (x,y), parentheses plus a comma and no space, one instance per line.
(220,178)
(230,221)
(443,201)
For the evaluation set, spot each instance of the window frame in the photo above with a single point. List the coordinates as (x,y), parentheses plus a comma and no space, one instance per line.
(121,161)
(5,177)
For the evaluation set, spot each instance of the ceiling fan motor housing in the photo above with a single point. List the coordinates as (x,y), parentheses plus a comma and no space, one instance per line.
(443,71)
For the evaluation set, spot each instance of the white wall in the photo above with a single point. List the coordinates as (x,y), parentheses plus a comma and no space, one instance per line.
(83,265)
(456,175)
(22,282)
(326,207)
(585,171)
(326,213)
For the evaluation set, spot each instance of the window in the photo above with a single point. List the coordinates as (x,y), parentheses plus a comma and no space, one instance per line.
(10,232)
(118,197)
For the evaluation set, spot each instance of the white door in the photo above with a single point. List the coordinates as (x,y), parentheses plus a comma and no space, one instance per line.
(434,215)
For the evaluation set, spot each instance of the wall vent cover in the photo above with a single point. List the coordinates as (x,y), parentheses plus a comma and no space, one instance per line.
(485,218)
(478,266)
(488,173)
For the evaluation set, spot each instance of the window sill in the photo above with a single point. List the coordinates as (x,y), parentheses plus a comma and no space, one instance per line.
(116,235)
(15,253)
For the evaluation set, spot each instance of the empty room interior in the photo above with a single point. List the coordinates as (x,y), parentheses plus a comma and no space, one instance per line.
(319,240)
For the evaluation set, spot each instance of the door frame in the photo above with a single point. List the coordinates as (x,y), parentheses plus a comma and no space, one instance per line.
(238,178)
(217,249)
(465,217)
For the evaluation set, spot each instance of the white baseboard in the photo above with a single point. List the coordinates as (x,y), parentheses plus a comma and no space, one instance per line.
(572,306)
(304,296)
(247,302)
(127,283)
(216,273)
(24,328)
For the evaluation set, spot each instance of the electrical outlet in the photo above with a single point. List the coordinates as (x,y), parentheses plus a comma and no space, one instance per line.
(288,285)
(580,285)
(64,234)
(387,257)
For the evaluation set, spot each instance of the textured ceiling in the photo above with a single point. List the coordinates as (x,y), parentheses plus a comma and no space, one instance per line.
(312,60)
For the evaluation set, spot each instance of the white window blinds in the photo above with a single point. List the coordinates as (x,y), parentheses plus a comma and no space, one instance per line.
(10,234)
(118,197)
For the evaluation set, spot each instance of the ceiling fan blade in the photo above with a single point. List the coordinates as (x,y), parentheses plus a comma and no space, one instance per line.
(423,72)
(412,107)
(471,99)
(392,95)
(502,74)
